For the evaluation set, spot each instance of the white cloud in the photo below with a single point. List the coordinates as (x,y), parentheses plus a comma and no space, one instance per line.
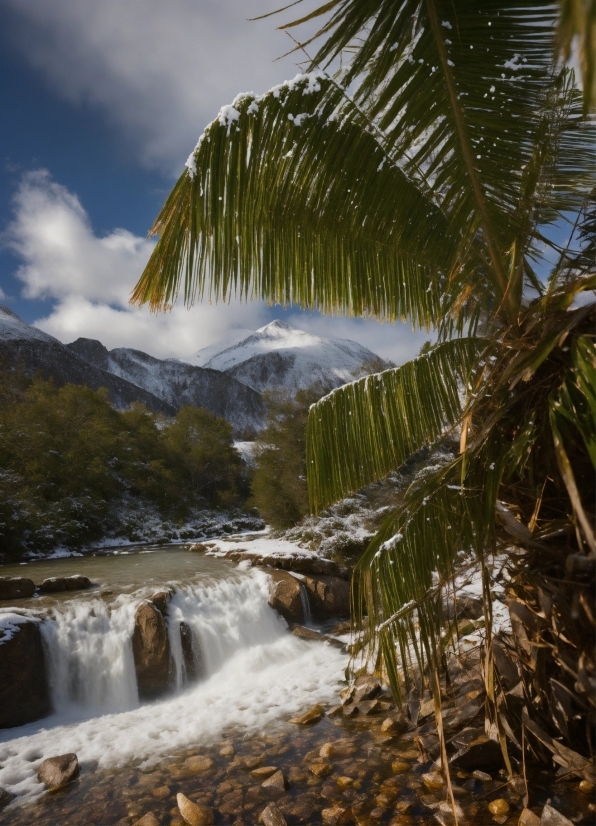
(90,279)
(396,342)
(159,70)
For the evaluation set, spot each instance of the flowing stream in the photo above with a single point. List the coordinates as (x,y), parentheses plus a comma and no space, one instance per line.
(252,671)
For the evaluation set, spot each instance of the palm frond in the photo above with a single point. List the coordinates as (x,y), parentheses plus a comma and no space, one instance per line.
(290,197)
(363,430)
(577,22)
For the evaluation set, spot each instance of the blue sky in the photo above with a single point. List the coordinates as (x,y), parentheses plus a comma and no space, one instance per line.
(102,102)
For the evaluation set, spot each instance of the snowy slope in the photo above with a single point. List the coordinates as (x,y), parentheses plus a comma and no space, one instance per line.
(177,383)
(278,356)
(13,328)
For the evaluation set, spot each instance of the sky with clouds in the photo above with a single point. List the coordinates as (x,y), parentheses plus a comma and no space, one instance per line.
(102,102)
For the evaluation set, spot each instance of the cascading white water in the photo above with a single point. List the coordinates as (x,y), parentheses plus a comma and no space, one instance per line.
(305,604)
(253,673)
(88,647)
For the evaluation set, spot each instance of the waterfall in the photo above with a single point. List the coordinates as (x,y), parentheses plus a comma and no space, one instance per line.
(88,643)
(305,604)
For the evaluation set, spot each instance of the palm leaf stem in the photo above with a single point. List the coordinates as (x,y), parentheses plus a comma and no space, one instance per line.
(491,242)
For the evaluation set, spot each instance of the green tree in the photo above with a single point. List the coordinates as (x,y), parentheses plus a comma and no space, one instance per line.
(425,179)
(278,484)
(200,446)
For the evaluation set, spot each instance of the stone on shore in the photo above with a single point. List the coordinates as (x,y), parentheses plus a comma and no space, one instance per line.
(16,587)
(24,689)
(285,596)
(329,596)
(151,649)
(193,813)
(56,772)
(55,584)
(310,717)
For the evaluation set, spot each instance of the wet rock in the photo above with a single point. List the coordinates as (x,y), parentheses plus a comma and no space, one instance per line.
(161,792)
(310,717)
(55,584)
(227,751)
(193,813)
(24,689)
(275,785)
(369,707)
(368,690)
(329,595)
(400,767)
(499,806)
(16,587)
(310,634)
(271,816)
(264,772)
(482,776)
(394,725)
(551,817)
(55,772)
(197,765)
(161,599)
(321,769)
(336,815)
(586,787)
(300,810)
(344,627)
(433,780)
(147,820)
(151,649)
(528,818)
(5,798)
(285,596)
(199,548)
(193,665)
(483,753)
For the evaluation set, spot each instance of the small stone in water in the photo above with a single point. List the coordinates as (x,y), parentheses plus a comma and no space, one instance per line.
(326,751)
(321,769)
(586,787)
(311,716)
(498,806)
(551,817)
(271,816)
(276,784)
(194,814)
(483,776)
(264,772)
(528,818)
(336,815)
(344,782)
(197,764)
(161,792)
(400,767)
(147,820)
(227,751)
(433,780)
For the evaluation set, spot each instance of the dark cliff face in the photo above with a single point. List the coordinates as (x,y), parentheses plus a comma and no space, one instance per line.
(163,386)
(177,383)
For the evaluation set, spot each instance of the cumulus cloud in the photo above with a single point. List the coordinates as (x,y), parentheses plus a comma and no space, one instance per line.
(89,279)
(160,71)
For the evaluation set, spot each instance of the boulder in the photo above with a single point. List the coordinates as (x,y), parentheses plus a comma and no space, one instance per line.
(58,771)
(285,596)
(55,584)
(151,650)
(160,600)
(310,634)
(483,753)
(16,587)
(329,596)
(315,714)
(5,797)
(193,813)
(271,816)
(24,689)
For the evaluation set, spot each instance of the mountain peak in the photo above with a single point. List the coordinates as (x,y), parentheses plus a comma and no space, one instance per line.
(274,326)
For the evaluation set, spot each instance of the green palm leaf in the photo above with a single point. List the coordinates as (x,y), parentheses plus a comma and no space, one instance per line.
(385,418)
(290,197)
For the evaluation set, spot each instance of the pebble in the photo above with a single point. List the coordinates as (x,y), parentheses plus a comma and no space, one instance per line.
(312,716)
(321,769)
(483,776)
(498,807)
(400,767)
(528,818)
(197,764)
(336,815)
(433,780)
(147,820)
(586,787)
(192,813)
(276,784)
(264,772)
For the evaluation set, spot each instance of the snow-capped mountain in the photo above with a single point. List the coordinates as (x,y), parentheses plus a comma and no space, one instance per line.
(26,347)
(278,356)
(128,375)
(177,383)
